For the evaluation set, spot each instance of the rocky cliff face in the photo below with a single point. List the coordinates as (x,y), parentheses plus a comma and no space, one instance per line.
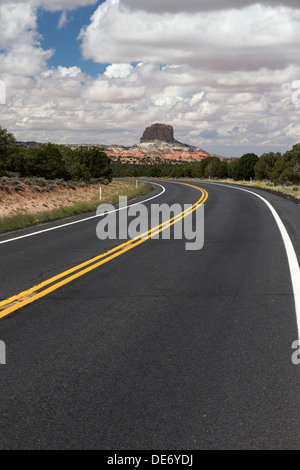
(157,145)
(161,132)
(157,150)
(153,152)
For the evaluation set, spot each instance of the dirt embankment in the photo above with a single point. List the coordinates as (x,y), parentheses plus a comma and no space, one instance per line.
(33,201)
(36,194)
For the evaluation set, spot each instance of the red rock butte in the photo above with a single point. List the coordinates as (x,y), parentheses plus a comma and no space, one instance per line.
(158,132)
(157,144)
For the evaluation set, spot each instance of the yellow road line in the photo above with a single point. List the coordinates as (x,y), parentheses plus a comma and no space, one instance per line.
(31,295)
(104,255)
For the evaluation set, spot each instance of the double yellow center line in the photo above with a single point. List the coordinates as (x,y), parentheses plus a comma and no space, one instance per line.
(41,290)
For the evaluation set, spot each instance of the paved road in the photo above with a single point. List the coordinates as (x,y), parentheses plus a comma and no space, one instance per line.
(160,348)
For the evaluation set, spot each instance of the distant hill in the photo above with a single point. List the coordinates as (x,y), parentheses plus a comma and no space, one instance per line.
(157,144)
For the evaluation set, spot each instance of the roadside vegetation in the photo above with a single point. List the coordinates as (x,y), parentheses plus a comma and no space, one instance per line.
(291,191)
(48,181)
(273,167)
(32,201)
(270,171)
(51,161)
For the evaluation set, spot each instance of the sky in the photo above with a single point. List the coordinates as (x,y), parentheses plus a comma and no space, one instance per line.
(224,73)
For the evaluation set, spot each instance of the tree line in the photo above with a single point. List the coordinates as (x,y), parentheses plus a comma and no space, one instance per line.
(53,161)
(275,167)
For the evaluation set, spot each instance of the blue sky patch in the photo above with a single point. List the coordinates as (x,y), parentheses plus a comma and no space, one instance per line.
(64,40)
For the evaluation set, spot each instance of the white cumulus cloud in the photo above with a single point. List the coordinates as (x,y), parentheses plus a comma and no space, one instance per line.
(232,40)
(222,75)
(201,5)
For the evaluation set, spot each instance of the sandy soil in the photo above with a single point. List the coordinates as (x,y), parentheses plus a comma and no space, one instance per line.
(32,201)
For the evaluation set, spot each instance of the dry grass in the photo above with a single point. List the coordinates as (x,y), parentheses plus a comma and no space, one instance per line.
(24,203)
(293,190)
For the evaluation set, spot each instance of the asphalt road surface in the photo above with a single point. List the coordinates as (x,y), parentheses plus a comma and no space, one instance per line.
(159,348)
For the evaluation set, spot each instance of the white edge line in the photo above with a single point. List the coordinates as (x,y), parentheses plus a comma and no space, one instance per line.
(87,218)
(290,251)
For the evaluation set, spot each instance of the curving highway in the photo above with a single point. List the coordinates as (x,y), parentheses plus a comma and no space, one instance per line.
(158,347)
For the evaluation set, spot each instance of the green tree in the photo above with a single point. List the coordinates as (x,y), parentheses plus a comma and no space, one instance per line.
(19,161)
(91,162)
(215,168)
(287,168)
(264,167)
(46,161)
(197,171)
(8,147)
(243,168)
(155,171)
